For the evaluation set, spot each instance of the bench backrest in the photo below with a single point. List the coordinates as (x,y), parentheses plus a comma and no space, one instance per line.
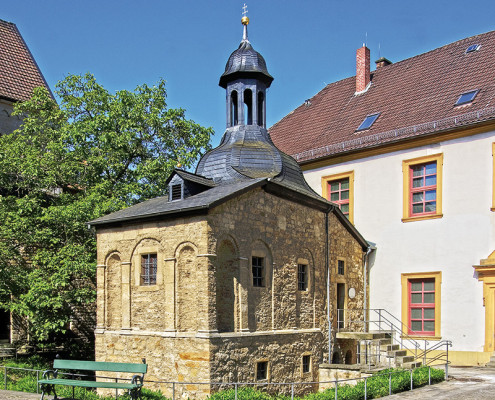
(100,366)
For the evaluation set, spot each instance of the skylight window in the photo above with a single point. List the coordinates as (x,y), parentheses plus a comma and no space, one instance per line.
(467,97)
(473,47)
(368,121)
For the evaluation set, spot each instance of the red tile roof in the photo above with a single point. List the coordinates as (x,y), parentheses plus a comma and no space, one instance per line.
(19,73)
(415,97)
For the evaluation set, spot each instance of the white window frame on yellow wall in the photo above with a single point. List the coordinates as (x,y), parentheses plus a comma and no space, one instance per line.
(325,180)
(406,177)
(405,278)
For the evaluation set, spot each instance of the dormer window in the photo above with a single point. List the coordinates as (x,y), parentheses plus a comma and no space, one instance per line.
(368,122)
(176,192)
(466,97)
(473,47)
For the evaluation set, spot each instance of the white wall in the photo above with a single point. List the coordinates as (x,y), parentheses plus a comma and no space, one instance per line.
(452,244)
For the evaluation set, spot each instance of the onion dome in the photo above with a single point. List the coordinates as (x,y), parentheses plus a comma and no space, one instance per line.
(245,62)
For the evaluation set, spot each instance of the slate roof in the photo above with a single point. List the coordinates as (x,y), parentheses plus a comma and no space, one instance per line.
(415,97)
(160,206)
(19,73)
(245,62)
(188,176)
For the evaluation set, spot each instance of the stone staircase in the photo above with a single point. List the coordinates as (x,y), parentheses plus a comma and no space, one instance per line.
(6,350)
(491,363)
(377,350)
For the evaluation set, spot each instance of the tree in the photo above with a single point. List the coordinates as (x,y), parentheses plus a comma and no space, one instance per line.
(93,154)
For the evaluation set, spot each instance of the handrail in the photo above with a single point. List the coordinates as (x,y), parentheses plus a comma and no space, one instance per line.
(387,322)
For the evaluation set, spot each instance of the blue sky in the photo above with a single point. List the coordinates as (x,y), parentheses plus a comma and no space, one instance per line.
(306,43)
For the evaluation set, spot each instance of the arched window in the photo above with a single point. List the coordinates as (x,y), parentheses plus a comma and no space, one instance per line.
(233,108)
(248,106)
(261,107)
(348,357)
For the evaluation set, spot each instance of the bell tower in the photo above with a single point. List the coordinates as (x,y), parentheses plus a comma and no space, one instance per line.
(246,79)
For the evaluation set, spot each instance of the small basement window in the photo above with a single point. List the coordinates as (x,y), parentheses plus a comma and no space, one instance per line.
(261,370)
(473,47)
(306,363)
(467,97)
(368,121)
(176,192)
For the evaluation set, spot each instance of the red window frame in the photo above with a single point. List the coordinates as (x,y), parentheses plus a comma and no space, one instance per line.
(420,312)
(338,195)
(423,195)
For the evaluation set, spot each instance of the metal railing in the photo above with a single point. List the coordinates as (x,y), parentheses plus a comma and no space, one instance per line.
(384,322)
(287,387)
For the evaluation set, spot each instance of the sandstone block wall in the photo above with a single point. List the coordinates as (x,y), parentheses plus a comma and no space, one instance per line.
(204,320)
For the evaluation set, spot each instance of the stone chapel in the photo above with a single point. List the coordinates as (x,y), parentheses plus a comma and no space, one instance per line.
(237,274)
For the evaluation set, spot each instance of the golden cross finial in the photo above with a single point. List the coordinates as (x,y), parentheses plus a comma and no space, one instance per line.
(245,19)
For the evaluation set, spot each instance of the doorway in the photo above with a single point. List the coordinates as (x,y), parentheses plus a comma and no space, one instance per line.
(4,326)
(340,305)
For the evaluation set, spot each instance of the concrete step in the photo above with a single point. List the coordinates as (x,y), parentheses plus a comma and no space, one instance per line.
(362,335)
(397,353)
(389,347)
(412,365)
(6,352)
(404,359)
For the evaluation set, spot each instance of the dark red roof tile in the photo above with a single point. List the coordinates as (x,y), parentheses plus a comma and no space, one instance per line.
(19,73)
(415,96)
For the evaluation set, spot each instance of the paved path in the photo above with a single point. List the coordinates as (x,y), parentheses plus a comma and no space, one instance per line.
(469,383)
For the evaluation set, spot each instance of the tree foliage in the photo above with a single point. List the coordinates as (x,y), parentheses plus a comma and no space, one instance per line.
(69,163)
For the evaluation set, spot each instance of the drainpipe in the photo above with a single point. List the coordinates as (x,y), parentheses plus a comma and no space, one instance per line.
(366,255)
(327,266)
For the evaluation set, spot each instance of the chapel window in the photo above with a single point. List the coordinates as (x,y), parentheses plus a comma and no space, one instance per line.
(148,269)
(258,270)
(302,277)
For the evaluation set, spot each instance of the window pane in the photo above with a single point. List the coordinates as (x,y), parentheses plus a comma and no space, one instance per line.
(417,208)
(431,168)
(416,286)
(429,297)
(429,326)
(417,182)
(334,196)
(429,313)
(430,195)
(344,184)
(344,195)
(431,207)
(416,298)
(334,186)
(431,180)
(344,208)
(429,286)
(417,170)
(416,313)
(416,326)
(417,197)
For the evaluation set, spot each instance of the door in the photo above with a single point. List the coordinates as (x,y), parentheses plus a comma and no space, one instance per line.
(340,305)
(4,326)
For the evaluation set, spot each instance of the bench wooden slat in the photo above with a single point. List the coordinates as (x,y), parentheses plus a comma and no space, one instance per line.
(100,366)
(92,384)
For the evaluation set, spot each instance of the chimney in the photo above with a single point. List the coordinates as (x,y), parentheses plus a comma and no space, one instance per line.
(362,68)
(382,62)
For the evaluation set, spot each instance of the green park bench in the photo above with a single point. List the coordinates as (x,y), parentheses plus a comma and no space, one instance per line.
(53,377)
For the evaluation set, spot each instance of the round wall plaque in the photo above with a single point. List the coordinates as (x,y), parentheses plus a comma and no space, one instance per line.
(352,293)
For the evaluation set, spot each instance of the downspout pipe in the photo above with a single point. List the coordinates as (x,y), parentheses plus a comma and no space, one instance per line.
(371,247)
(327,267)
